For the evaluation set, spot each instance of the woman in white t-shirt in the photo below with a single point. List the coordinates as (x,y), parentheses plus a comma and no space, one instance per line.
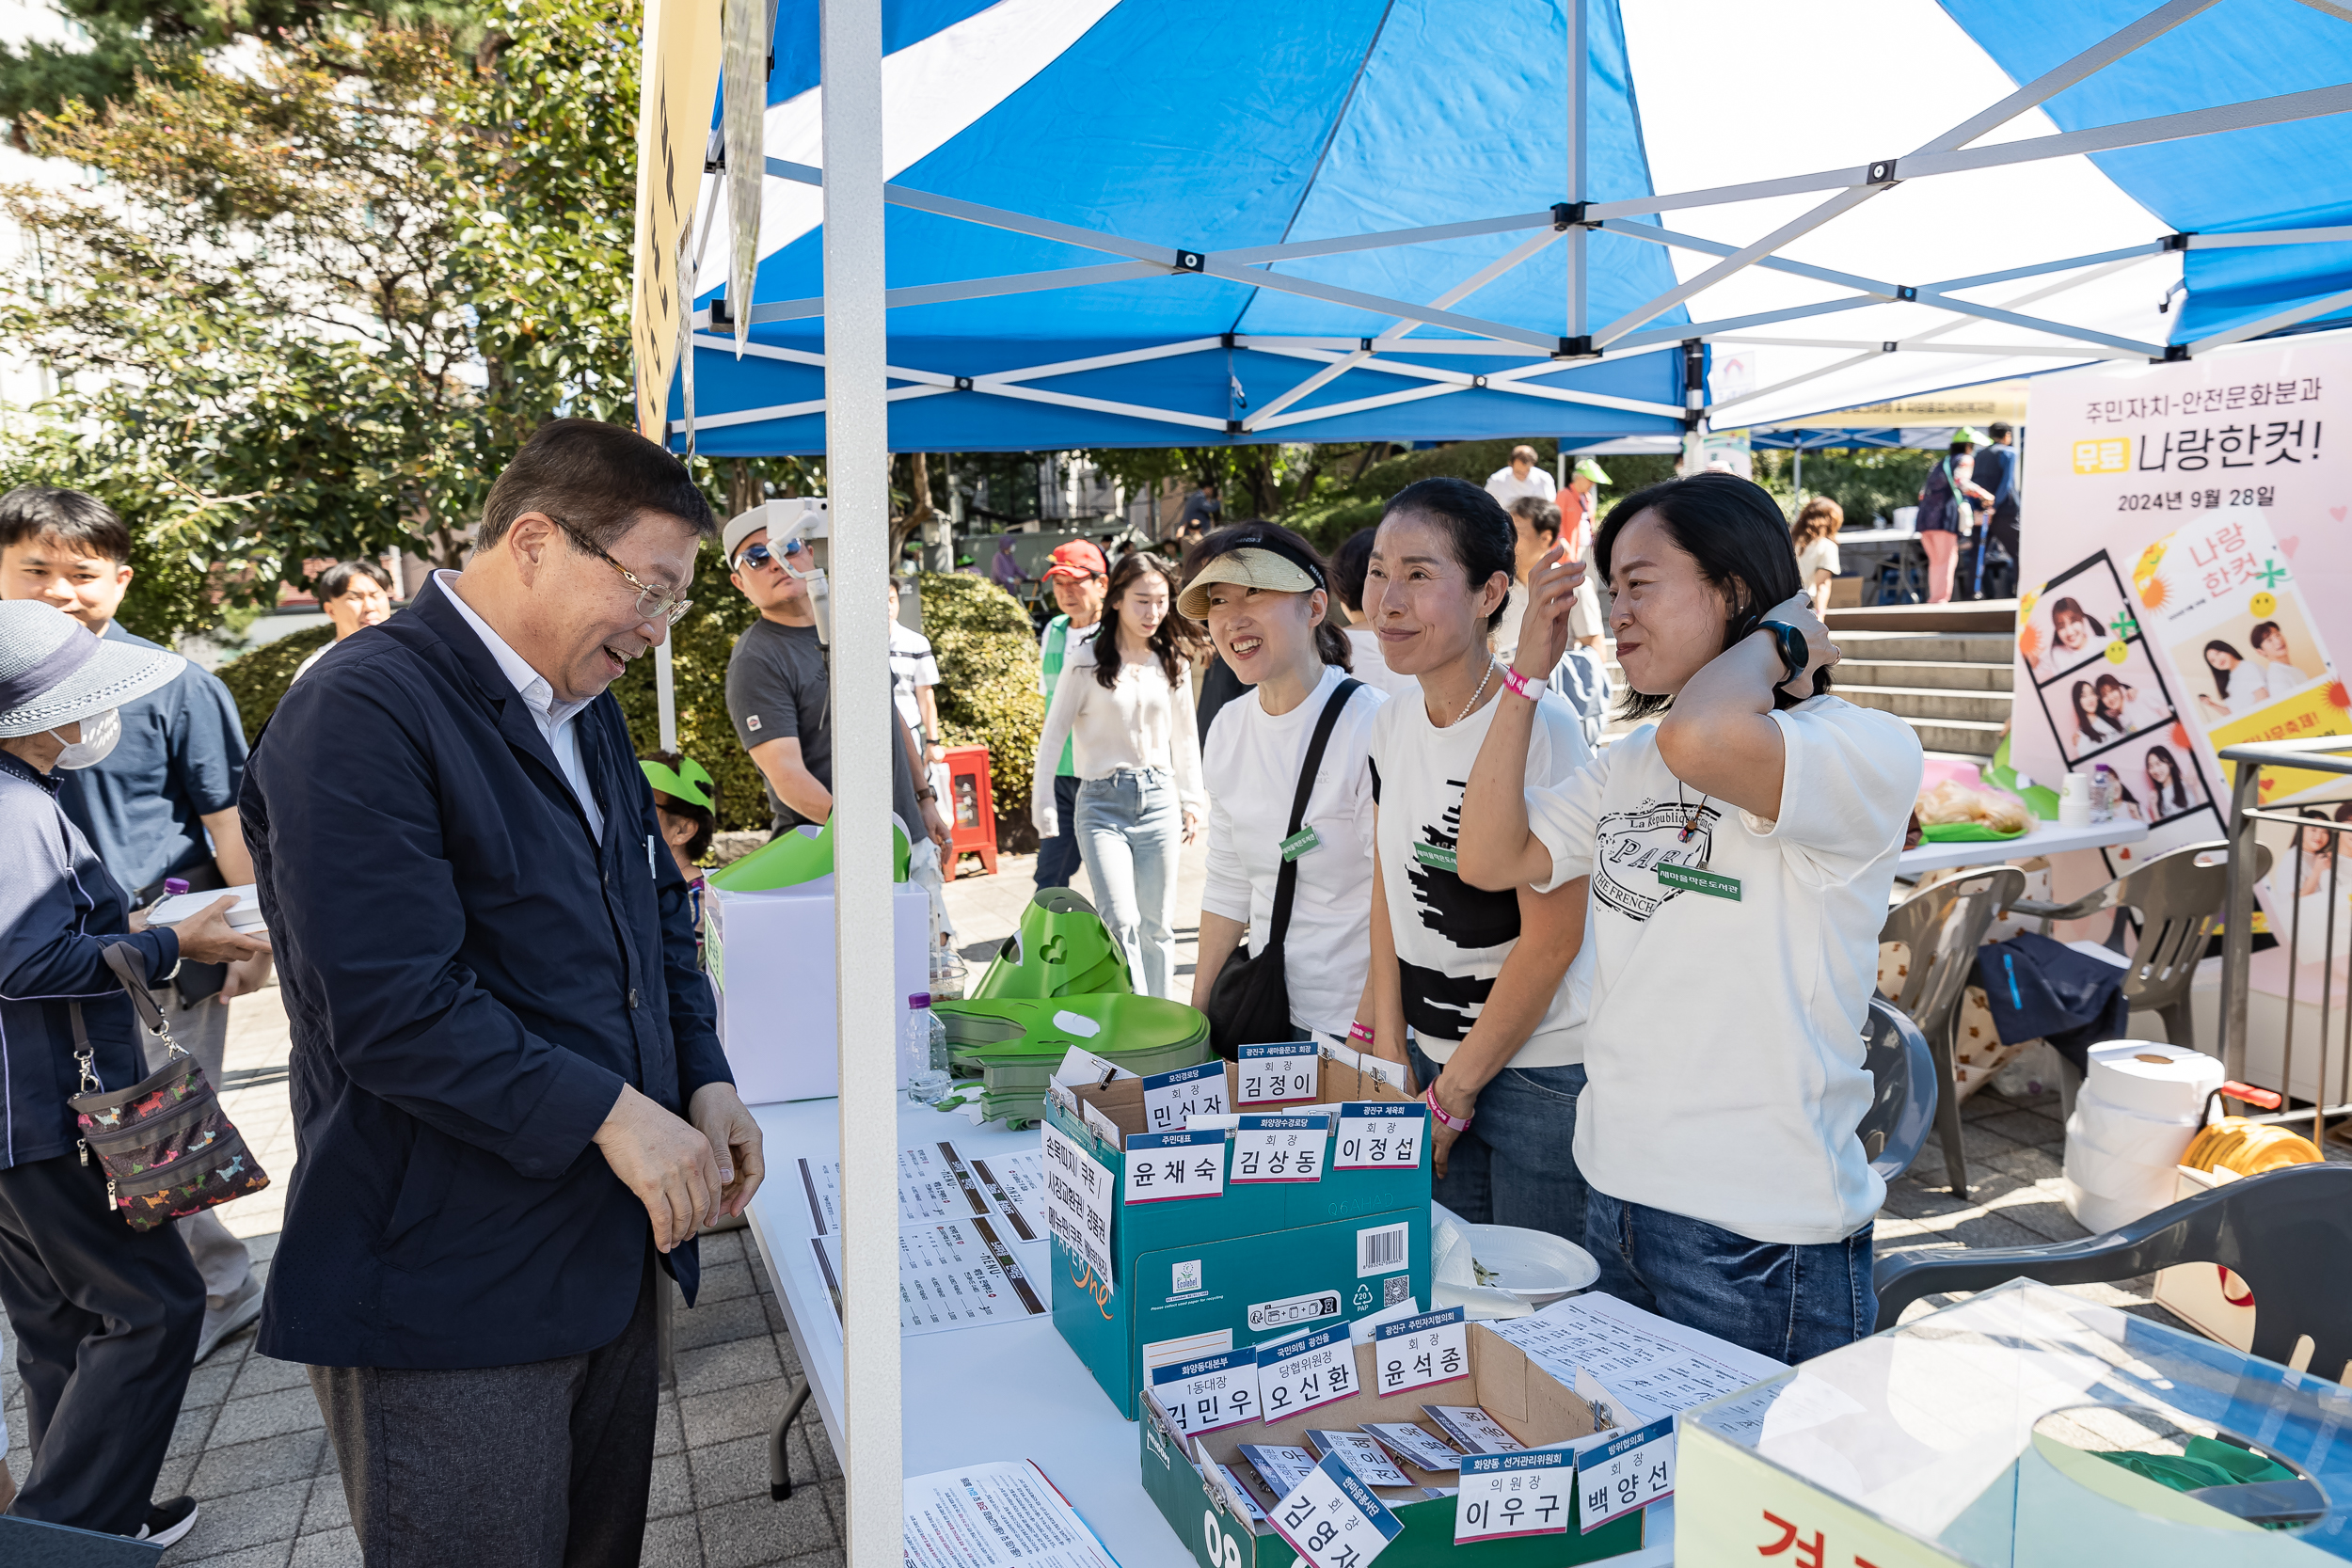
(1814,535)
(1264,595)
(1740,850)
(1138,753)
(1496,1043)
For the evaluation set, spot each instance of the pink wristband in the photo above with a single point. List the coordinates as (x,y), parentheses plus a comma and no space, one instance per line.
(1429,1098)
(1514,681)
(1359,1032)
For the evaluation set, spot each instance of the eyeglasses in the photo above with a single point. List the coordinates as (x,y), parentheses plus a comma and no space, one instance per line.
(760,555)
(652,603)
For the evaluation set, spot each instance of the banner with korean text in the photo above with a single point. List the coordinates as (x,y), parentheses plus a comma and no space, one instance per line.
(2187,566)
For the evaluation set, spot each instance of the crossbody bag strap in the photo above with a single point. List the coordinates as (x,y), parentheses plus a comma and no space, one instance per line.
(1286,879)
(130,969)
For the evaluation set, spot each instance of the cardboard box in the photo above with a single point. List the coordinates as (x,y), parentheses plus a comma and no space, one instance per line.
(770,958)
(1253,1264)
(2206,1296)
(1531,1404)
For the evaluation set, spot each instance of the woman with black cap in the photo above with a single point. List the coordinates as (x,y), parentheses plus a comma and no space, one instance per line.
(1266,597)
(107,1317)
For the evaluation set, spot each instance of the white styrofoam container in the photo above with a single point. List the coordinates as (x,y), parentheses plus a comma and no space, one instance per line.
(244,915)
(771,957)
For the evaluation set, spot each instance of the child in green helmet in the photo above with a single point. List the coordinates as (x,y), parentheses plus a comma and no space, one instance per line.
(685,797)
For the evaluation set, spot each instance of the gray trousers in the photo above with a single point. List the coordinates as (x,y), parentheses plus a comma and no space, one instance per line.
(202,1031)
(547,1464)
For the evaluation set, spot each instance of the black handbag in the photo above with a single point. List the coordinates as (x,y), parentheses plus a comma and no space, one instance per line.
(1250,1002)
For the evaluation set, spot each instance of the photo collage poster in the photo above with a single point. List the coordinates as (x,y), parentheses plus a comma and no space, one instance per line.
(2176,515)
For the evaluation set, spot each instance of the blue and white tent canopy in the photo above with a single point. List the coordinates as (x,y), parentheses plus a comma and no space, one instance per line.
(1137,222)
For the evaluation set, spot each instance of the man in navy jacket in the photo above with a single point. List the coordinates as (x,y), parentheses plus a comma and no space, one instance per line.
(510,1102)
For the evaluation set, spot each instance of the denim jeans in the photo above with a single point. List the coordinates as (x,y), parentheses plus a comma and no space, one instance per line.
(1129,828)
(1789,1302)
(1517,1164)
(1057,857)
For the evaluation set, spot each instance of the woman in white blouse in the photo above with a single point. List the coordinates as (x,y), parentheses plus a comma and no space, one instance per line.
(1265,598)
(1137,753)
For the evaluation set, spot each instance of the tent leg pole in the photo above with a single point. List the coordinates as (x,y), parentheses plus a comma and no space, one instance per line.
(1577,237)
(665,694)
(857,470)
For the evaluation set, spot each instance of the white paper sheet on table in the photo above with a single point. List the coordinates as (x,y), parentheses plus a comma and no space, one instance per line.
(1656,1367)
(1003,1515)
(958,1266)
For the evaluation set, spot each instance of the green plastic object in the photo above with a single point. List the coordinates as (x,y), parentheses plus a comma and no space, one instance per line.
(1964,832)
(795,857)
(1015,1043)
(2043,802)
(1061,949)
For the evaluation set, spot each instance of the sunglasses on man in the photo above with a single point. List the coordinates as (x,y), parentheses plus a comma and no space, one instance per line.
(760,555)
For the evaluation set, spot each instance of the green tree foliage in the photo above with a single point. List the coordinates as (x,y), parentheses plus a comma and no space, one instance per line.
(700,647)
(313,306)
(987,653)
(259,680)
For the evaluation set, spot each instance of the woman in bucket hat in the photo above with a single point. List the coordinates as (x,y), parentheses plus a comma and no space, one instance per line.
(106,1317)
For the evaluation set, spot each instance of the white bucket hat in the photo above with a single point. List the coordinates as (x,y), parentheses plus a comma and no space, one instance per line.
(53,670)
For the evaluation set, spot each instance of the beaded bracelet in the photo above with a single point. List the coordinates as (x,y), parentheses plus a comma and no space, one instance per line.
(1459,1124)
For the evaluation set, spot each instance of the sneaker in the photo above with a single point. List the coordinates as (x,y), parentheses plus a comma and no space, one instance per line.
(167,1522)
(231,1315)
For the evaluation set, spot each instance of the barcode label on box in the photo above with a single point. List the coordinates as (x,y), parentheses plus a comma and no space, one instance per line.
(1384,1250)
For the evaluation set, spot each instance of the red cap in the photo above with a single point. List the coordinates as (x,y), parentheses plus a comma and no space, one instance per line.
(1079,558)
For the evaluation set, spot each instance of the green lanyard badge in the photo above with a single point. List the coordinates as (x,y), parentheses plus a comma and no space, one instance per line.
(1690,879)
(1435,855)
(1300,842)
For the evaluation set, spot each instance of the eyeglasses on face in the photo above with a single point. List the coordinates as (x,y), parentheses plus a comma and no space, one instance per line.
(760,555)
(652,603)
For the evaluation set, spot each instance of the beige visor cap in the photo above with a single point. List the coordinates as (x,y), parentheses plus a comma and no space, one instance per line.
(1246,568)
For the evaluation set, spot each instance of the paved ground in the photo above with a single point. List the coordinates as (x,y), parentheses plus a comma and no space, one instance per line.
(250,1446)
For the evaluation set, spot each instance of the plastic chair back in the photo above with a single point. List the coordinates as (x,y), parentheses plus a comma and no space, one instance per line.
(2288,1234)
(1903,1079)
(1942,926)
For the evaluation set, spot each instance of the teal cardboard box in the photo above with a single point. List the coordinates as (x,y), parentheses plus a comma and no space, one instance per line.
(1529,1403)
(1264,1258)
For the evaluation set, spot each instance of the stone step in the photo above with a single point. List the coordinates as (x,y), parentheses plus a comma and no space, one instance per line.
(1951,674)
(1998,616)
(1973,738)
(1930,702)
(1934,647)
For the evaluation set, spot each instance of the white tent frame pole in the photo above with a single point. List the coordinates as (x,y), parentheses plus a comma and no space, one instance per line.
(1907,345)
(2302,312)
(2269,236)
(857,471)
(2048,85)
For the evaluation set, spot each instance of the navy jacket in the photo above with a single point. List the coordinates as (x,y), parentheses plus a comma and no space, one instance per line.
(59,912)
(469,982)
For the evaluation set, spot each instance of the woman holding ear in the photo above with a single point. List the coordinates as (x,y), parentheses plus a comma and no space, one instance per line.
(1266,597)
(1742,850)
(1496,1043)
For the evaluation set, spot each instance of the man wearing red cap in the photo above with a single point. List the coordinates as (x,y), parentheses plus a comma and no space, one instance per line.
(1079,578)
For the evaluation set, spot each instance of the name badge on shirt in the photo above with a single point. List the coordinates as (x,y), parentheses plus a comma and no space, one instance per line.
(1300,842)
(1437,855)
(1690,879)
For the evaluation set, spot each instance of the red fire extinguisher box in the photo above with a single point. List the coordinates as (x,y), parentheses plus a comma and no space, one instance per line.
(971,810)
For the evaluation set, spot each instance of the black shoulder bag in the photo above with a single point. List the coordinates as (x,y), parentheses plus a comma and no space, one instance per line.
(1250,1003)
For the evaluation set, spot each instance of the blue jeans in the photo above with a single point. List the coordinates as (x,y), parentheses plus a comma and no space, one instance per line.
(1057,857)
(1789,1302)
(1517,1164)
(1130,827)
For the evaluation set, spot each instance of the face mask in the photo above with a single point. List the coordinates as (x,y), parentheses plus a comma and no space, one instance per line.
(100,732)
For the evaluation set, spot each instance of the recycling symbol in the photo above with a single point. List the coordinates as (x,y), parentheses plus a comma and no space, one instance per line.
(1363,1298)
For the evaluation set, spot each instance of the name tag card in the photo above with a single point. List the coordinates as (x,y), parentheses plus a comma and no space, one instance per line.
(1299,1374)
(1280,1466)
(1280,1149)
(1380,1135)
(1414,1446)
(1432,1348)
(1166,1166)
(1169,1099)
(1359,1455)
(1472,1429)
(1278,1074)
(1614,1478)
(1515,1494)
(1237,1495)
(1078,1201)
(1211,1392)
(1692,879)
(1334,1521)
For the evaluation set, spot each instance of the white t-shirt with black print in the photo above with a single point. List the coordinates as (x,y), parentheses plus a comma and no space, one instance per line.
(1723,1035)
(1451,938)
(1251,764)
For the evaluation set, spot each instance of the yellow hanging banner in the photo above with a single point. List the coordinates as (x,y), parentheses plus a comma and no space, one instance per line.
(677,86)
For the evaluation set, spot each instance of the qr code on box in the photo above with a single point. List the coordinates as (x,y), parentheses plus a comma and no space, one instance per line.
(1394,1289)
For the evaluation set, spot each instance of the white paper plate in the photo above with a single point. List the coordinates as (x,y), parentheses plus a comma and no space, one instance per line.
(1534,1265)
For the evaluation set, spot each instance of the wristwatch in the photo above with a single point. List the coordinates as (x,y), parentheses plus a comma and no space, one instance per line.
(1790,644)
(926,793)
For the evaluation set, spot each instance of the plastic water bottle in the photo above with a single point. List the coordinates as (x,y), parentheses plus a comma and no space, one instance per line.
(923,1052)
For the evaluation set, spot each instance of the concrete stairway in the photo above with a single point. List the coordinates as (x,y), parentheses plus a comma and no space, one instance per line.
(1943,669)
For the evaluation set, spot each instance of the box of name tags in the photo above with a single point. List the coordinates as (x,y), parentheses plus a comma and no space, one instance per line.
(1212,1206)
(1403,1437)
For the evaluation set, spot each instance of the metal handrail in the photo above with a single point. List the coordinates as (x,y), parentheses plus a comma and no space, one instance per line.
(2317,754)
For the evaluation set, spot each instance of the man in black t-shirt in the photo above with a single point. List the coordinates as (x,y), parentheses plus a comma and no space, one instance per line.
(780,695)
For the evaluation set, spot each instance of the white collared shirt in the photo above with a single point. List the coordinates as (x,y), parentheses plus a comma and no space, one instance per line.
(554,719)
